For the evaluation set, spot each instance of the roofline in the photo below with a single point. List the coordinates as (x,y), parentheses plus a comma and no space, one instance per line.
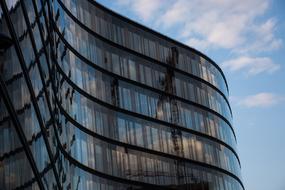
(147,29)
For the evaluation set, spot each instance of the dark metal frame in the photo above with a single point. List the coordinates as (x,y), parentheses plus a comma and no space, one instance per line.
(20,132)
(30,88)
(121,110)
(139,54)
(127,20)
(84,59)
(87,169)
(142,149)
(45,90)
(138,84)
(52,68)
(138,115)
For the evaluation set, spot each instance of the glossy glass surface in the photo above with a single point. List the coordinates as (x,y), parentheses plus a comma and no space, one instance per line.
(135,68)
(99,85)
(156,137)
(74,177)
(121,107)
(141,41)
(135,165)
(15,169)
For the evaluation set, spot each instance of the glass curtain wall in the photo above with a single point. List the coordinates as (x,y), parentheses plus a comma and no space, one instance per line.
(92,100)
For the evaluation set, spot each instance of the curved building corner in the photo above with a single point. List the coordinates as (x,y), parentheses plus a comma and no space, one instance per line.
(92,100)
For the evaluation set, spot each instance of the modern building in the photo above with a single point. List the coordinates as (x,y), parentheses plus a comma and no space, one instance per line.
(92,100)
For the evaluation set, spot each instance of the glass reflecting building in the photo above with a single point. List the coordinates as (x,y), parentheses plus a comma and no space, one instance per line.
(92,100)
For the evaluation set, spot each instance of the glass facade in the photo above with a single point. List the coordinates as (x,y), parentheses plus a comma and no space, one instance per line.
(92,100)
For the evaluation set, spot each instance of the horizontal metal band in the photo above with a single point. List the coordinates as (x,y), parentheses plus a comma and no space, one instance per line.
(127,20)
(141,55)
(121,110)
(133,82)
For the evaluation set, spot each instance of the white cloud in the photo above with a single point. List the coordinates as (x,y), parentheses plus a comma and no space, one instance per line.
(233,99)
(145,9)
(197,43)
(264,39)
(263,99)
(251,65)
(220,23)
(228,24)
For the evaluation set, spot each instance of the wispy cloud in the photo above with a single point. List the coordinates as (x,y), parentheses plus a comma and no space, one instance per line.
(263,99)
(205,24)
(145,9)
(239,27)
(251,65)
(263,39)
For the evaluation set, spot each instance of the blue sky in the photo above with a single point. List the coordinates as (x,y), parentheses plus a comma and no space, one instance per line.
(246,38)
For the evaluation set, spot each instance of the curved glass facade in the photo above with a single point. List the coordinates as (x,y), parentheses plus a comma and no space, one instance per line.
(92,100)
